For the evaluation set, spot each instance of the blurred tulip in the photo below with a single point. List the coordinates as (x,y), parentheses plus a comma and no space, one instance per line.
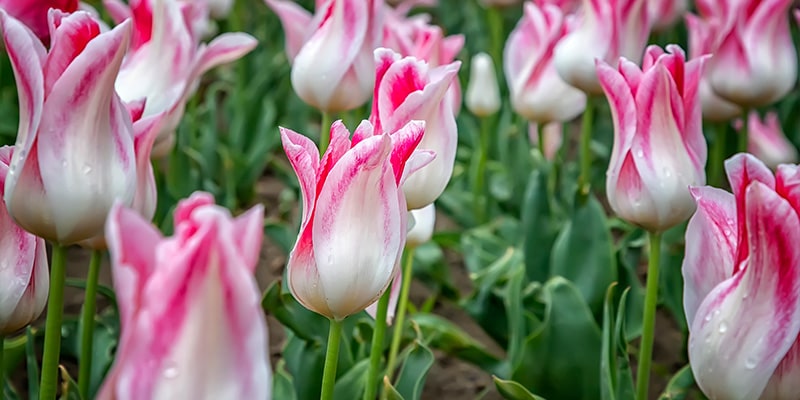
(190,308)
(416,37)
(659,149)
(754,62)
(354,215)
(24,274)
(409,89)
(537,91)
(742,284)
(664,14)
(74,154)
(566,6)
(767,141)
(701,42)
(219,9)
(483,94)
(166,59)
(553,136)
(499,3)
(422,228)
(605,30)
(331,52)
(33,13)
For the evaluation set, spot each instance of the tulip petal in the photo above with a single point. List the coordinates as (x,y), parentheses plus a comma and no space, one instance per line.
(296,22)
(623,113)
(118,10)
(304,157)
(733,357)
(70,34)
(359,203)
(223,49)
(711,240)
(404,143)
(249,231)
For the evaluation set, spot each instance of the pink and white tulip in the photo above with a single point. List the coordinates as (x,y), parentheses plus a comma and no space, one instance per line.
(409,89)
(190,309)
(767,141)
(74,154)
(659,149)
(331,51)
(754,62)
(605,30)
(422,229)
(552,135)
(537,91)
(33,13)
(354,215)
(742,284)
(664,14)
(701,43)
(483,93)
(166,59)
(566,6)
(24,272)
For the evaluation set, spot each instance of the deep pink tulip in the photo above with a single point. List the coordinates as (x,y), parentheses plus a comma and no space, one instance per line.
(742,284)
(767,141)
(190,308)
(754,61)
(409,89)
(167,59)
(701,42)
(605,30)
(537,91)
(659,149)
(331,51)
(24,275)
(33,13)
(354,215)
(74,153)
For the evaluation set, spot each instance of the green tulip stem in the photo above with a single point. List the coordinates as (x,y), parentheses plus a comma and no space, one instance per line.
(331,359)
(324,131)
(2,368)
(52,327)
(649,319)
(584,179)
(87,322)
(377,344)
(744,134)
(717,161)
(400,316)
(479,192)
(494,19)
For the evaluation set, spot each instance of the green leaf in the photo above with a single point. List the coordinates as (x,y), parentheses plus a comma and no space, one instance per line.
(105,338)
(616,380)
(414,371)
(305,361)
(540,227)
(513,390)
(680,385)
(32,364)
(69,389)
(584,254)
(282,383)
(562,357)
(442,334)
(13,353)
(351,384)
(390,391)
(306,324)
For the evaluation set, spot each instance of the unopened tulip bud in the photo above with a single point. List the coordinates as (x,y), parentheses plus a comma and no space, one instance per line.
(422,228)
(483,94)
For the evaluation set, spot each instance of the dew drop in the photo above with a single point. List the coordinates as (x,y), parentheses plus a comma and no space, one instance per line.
(170,372)
(723,327)
(87,169)
(750,363)
(639,153)
(727,232)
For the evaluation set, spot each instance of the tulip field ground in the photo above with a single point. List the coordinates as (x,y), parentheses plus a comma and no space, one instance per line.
(500,224)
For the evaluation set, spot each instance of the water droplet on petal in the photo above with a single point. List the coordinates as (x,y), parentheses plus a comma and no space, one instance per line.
(170,372)
(750,363)
(723,327)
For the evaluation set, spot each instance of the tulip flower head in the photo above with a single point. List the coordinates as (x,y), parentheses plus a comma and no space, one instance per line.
(24,273)
(742,283)
(754,61)
(659,149)
(74,153)
(354,215)
(409,89)
(166,59)
(605,30)
(483,94)
(190,309)
(767,141)
(33,13)
(537,91)
(331,51)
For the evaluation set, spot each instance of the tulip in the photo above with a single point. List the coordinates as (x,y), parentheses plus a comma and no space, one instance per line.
(74,154)
(33,13)
(566,6)
(422,228)
(331,52)
(537,91)
(190,310)
(605,30)
(659,149)
(483,94)
(552,136)
(755,62)
(354,215)
(409,89)
(166,59)
(767,141)
(24,270)
(416,37)
(715,108)
(665,13)
(742,284)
